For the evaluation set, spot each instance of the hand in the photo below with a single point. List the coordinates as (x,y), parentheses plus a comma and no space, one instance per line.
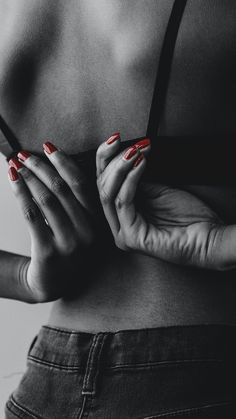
(158,220)
(58,214)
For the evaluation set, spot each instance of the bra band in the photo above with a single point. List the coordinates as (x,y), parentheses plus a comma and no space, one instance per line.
(164,68)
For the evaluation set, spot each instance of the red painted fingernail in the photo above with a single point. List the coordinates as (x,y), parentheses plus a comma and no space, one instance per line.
(113,138)
(130,153)
(49,147)
(138,161)
(143,143)
(23,155)
(13,175)
(14,162)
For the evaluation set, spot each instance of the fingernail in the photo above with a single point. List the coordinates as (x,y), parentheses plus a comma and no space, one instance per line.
(14,162)
(23,155)
(49,147)
(13,175)
(138,161)
(113,138)
(130,153)
(143,143)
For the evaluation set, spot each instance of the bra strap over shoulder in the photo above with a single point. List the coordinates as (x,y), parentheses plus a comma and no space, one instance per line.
(164,68)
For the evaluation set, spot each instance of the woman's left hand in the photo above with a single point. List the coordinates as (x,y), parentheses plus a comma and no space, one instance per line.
(158,220)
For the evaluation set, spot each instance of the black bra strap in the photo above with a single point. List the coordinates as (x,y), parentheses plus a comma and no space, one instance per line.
(9,135)
(164,68)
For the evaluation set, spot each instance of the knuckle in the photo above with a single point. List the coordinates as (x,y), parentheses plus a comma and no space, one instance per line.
(70,247)
(119,202)
(35,162)
(26,173)
(45,199)
(100,183)
(78,182)
(58,186)
(76,185)
(31,214)
(104,197)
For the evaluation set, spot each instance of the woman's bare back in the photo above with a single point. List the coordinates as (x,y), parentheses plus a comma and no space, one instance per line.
(78,71)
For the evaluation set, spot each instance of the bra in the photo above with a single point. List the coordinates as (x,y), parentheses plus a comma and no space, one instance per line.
(173,160)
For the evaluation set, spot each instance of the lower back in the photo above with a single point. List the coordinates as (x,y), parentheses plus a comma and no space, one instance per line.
(134,291)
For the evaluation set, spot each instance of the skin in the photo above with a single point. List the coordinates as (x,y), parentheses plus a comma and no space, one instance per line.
(67,234)
(176,226)
(108,87)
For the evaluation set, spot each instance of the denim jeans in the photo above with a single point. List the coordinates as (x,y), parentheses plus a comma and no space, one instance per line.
(182,372)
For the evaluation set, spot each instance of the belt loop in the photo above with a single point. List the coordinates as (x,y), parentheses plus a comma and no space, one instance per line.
(92,367)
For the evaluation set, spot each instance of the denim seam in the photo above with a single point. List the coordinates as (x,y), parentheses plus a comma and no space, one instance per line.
(163,363)
(23,409)
(52,364)
(13,413)
(89,366)
(81,413)
(92,363)
(120,366)
(98,358)
(188,410)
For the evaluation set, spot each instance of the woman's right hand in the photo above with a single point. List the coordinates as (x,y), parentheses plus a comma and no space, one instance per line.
(58,212)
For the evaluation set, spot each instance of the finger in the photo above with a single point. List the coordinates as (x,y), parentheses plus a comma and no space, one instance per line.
(115,172)
(143,146)
(48,204)
(37,228)
(221,249)
(70,172)
(125,207)
(58,187)
(106,151)
(110,183)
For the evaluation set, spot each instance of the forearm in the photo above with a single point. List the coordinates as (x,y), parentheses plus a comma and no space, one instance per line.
(12,284)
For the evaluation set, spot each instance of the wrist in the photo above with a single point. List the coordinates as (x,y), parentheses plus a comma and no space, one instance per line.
(24,291)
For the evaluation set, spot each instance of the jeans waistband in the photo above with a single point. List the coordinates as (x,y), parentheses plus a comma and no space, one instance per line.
(71,349)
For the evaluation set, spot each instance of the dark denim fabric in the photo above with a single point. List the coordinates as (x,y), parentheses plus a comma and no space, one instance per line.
(134,374)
